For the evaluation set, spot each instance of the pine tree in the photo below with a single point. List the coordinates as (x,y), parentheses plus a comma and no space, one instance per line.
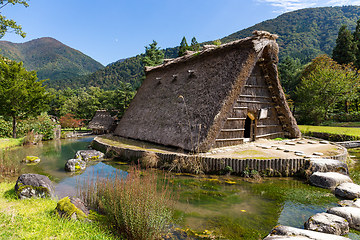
(357,43)
(194,45)
(183,47)
(153,55)
(345,49)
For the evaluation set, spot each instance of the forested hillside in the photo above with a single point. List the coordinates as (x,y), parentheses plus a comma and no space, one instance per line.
(130,70)
(50,58)
(303,34)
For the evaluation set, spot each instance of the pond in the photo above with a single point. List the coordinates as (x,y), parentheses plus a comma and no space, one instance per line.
(241,210)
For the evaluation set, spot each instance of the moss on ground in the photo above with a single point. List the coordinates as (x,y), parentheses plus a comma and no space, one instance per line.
(69,208)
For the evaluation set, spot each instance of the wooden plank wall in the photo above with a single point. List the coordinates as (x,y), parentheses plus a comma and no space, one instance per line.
(254,97)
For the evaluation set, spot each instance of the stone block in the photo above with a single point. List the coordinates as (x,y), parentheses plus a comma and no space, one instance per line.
(351,214)
(327,223)
(324,165)
(286,231)
(328,180)
(348,190)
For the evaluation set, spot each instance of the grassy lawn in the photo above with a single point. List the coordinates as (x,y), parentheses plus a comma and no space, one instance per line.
(10,142)
(36,219)
(337,130)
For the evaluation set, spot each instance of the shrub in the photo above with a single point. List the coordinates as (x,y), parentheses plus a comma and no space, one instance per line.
(133,203)
(41,125)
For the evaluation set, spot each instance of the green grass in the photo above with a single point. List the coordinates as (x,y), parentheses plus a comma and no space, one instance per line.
(36,219)
(336,130)
(10,142)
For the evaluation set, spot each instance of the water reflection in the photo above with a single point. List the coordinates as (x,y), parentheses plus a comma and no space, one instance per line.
(203,203)
(53,155)
(67,186)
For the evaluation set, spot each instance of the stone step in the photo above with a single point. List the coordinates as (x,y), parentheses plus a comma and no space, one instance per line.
(327,223)
(348,190)
(286,231)
(351,214)
(324,165)
(328,180)
(350,203)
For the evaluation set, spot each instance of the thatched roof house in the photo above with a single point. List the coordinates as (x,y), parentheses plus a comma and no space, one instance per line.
(102,122)
(220,96)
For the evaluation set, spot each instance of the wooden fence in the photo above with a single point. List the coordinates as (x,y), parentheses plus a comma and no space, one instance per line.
(284,167)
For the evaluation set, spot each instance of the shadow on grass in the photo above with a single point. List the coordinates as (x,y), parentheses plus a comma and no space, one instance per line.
(10,195)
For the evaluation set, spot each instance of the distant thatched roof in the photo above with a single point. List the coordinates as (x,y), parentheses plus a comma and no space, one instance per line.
(186,101)
(101,121)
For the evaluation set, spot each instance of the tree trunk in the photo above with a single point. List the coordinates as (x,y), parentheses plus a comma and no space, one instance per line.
(346,106)
(14,127)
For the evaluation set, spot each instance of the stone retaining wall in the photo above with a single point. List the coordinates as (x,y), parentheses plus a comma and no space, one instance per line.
(349,144)
(284,167)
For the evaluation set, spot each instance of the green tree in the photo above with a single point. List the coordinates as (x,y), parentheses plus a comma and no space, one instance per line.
(7,25)
(357,43)
(194,45)
(183,47)
(323,84)
(289,73)
(153,55)
(21,95)
(345,48)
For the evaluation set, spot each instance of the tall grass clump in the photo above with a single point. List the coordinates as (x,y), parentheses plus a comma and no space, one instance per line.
(7,166)
(136,205)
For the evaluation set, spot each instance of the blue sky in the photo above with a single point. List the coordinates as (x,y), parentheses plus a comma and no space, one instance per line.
(110,30)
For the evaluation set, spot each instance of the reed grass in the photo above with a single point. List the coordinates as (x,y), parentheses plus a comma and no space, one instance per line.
(135,205)
(8,167)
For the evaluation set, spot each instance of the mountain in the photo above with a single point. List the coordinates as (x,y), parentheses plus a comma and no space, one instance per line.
(128,70)
(50,58)
(303,34)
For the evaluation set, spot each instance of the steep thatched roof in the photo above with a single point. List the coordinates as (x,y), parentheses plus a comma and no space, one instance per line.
(101,121)
(186,101)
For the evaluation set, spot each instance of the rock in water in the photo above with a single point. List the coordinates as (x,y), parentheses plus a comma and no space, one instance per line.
(34,185)
(89,155)
(327,223)
(351,214)
(350,203)
(289,232)
(74,165)
(348,190)
(324,165)
(72,208)
(328,180)
(31,159)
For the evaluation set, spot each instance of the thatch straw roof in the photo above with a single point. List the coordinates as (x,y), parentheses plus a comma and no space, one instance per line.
(101,121)
(185,102)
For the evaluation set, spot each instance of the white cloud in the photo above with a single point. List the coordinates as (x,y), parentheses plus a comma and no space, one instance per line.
(292,5)
(343,2)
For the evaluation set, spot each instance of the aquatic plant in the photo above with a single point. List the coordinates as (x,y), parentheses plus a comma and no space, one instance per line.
(134,205)
(8,167)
